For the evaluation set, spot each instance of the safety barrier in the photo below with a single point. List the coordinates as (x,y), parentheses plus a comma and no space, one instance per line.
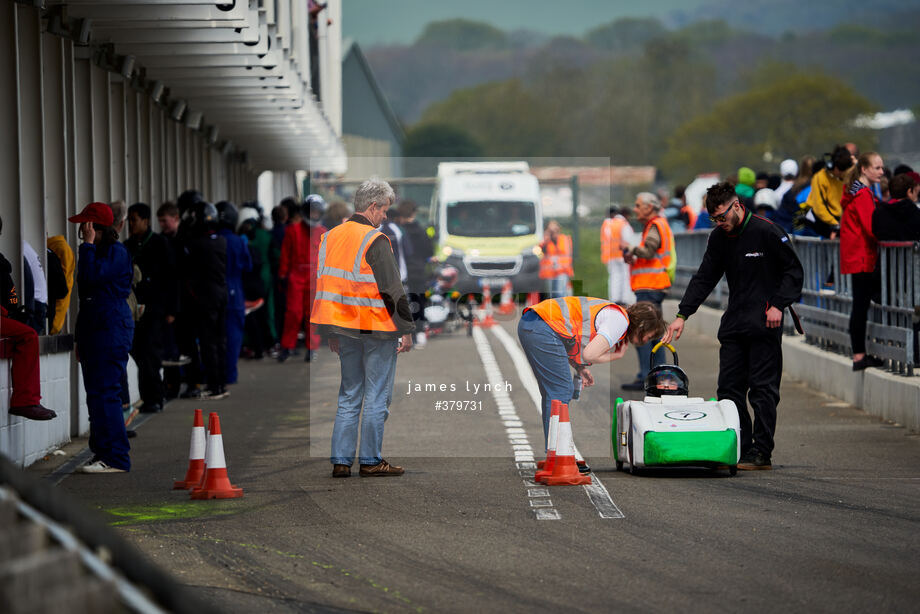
(827,296)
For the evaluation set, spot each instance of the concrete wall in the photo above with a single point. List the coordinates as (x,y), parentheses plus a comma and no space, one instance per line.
(26,441)
(877,392)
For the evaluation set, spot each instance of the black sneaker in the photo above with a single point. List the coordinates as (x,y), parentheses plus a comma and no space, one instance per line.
(867,361)
(150,408)
(754,461)
(583,468)
(283,355)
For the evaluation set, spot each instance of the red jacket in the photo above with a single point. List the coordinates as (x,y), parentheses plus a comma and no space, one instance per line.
(858,247)
(299,250)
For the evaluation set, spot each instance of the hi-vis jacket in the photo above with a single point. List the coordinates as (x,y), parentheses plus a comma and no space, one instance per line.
(652,273)
(557,258)
(574,319)
(611,233)
(348,293)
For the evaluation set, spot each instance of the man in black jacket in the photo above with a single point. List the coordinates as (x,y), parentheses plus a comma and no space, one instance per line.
(764,277)
(152,255)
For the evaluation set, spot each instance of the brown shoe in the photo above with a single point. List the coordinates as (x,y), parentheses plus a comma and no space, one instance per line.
(382,468)
(33,412)
(341,471)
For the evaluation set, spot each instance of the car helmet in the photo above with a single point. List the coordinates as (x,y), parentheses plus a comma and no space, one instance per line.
(314,204)
(447,277)
(227,215)
(201,216)
(664,380)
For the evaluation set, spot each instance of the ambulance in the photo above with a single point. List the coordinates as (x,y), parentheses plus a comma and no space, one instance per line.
(489,224)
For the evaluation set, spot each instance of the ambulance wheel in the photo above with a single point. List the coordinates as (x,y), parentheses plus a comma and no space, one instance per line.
(619,465)
(733,470)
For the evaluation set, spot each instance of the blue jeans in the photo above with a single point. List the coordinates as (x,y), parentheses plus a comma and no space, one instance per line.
(645,351)
(368,369)
(549,362)
(558,286)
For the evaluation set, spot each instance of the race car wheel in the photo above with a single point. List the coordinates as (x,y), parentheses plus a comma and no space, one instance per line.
(733,470)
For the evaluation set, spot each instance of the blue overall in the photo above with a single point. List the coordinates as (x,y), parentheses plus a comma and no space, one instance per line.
(238,260)
(104,333)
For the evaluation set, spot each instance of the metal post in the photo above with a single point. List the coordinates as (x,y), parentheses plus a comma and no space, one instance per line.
(574,184)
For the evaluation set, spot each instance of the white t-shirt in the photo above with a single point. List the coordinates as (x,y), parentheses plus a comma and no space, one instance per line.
(611,323)
(38,275)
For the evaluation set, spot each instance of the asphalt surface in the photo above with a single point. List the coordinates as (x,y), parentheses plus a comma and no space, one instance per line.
(834,527)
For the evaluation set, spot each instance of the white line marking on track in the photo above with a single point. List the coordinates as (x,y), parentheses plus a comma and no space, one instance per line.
(596,491)
(523,453)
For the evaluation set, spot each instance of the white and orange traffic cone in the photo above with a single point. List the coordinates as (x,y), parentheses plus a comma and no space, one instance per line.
(565,471)
(547,465)
(487,321)
(506,305)
(216,482)
(533,298)
(196,454)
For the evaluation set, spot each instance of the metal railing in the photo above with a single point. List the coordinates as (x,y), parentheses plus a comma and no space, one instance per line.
(827,296)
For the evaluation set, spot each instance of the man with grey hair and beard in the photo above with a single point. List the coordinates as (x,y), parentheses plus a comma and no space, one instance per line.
(362,307)
(649,276)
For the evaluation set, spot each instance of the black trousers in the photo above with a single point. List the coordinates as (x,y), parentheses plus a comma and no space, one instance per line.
(865,287)
(212,342)
(750,368)
(147,352)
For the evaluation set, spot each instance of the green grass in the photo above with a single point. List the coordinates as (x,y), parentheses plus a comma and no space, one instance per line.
(590,273)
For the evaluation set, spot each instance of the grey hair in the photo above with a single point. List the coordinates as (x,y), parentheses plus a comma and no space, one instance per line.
(649,199)
(119,211)
(374,190)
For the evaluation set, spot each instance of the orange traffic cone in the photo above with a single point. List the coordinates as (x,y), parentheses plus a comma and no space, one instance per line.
(216,483)
(195,455)
(506,306)
(533,298)
(547,465)
(565,471)
(487,321)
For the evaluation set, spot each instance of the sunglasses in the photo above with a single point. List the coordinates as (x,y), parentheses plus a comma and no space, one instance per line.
(718,219)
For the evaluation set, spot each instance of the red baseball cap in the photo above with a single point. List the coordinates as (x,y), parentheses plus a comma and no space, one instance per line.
(97,213)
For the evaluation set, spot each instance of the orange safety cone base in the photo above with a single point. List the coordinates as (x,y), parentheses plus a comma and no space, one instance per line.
(232,493)
(192,476)
(566,472)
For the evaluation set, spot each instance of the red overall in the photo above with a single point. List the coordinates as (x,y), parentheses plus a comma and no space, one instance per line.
(299,252)
(23,354)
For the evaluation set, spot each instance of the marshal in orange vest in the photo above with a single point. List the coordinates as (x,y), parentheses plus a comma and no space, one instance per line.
(611,234)
(346,289)
(557,258)
(652,273)
(574,318)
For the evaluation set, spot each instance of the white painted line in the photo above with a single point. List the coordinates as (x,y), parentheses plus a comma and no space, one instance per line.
(596,491)
(520,444)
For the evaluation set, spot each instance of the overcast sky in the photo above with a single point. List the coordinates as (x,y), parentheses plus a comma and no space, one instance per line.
(373,22)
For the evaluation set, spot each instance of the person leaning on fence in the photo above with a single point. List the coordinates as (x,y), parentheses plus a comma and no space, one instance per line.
(361,304)
(859,251)
(827,186)
(650,266)
(899,220)
(764,277)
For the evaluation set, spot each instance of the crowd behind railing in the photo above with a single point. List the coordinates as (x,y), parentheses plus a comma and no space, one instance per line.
(856,227)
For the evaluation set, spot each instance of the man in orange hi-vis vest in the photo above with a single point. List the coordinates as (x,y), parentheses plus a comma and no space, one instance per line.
(648,268)
(556,264)
(616,232)
(360,303)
